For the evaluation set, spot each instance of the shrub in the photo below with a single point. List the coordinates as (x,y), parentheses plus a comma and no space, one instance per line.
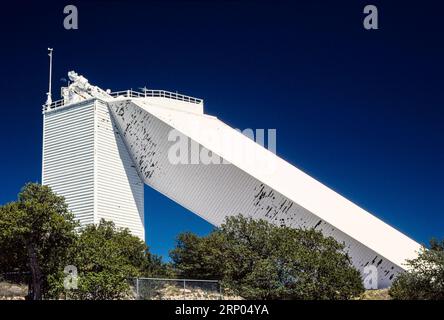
(424,279)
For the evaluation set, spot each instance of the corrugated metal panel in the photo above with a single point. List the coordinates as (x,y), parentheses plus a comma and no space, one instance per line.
(86,161)
(217,191)
(119,188)
(68,154)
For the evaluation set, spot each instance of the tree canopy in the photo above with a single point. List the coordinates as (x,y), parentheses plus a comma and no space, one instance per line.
(39,236)
(105,258)
(424,278)
(259,260)
(35,234)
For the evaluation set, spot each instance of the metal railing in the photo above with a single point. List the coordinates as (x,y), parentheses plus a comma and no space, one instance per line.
(176,289)
(136,94)
(53,105)
(155,93)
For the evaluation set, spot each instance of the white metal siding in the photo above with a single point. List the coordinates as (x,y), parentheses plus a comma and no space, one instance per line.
(119,189)
(86,161)
(68,157)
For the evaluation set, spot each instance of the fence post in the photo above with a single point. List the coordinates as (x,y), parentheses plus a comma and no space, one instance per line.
(184,285)
(137,289)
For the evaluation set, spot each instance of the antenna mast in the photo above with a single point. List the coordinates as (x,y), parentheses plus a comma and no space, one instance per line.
(49,99)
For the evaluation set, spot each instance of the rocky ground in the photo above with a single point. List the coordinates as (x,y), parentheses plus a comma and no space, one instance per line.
(11,291)
(381,294)
(177,293)
(172,292)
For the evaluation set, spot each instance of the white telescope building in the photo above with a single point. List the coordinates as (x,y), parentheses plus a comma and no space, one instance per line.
(100,148)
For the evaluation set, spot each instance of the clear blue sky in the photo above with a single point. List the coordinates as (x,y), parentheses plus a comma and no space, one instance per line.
(361,111)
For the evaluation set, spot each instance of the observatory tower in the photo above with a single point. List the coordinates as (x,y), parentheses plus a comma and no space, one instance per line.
(100,148)
(86,161)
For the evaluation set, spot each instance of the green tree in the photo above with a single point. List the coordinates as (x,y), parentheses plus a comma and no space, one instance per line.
(38,236)
(199,257)
(35,233)
(156,268)
(424,278)
(259,260)
(106,259)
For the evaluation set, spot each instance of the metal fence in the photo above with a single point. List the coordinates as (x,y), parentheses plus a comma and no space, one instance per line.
(176,289)
(16,277)
(135,94)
